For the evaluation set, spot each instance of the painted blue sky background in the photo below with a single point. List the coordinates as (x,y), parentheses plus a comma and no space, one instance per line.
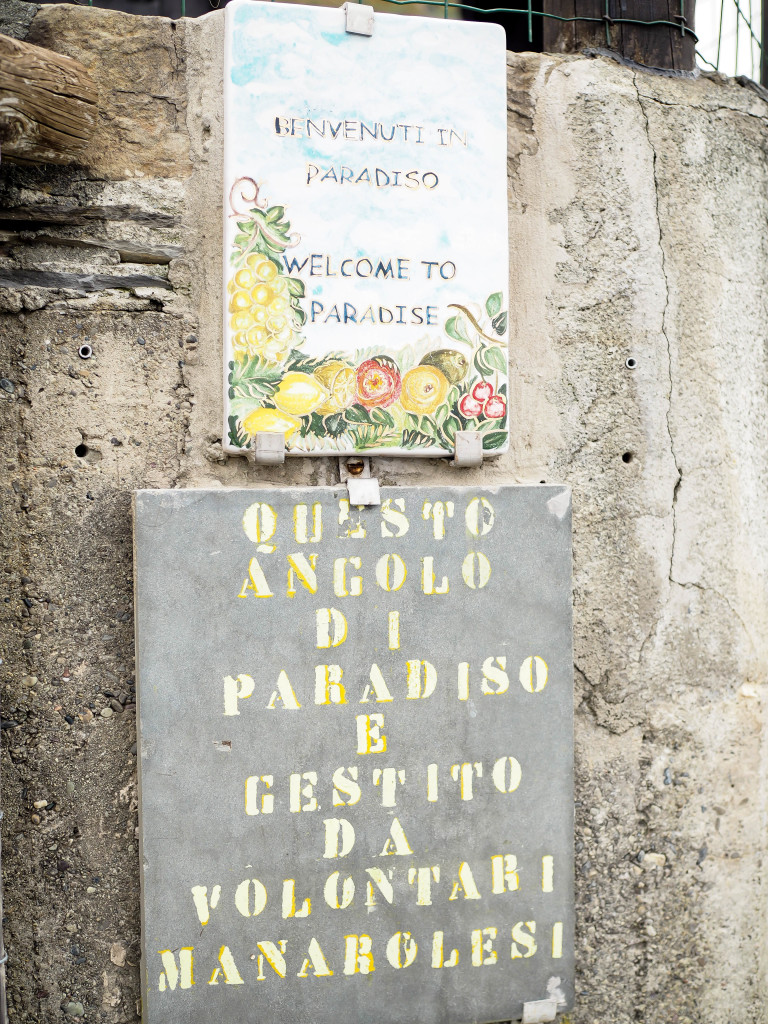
(287,60)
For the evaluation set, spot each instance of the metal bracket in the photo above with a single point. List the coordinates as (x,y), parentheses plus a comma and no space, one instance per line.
(540,1011)
(468,450)
(268,447)
(358,19)
(363,488)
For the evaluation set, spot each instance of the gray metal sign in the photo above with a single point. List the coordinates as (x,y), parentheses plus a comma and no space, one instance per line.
(356,754)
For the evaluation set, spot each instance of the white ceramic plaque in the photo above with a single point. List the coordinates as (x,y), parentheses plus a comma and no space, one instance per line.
(365,244)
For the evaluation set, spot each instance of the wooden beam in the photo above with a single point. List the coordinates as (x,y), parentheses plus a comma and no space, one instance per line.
(654,46)
(48,105)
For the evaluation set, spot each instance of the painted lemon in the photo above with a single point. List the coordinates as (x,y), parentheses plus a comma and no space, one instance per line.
(299,394)
(424,388)
(339,381)
(272,421)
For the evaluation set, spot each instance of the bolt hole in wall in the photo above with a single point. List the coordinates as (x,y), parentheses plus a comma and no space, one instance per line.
(81,451)
(85,351)
(631,363)
(627,457)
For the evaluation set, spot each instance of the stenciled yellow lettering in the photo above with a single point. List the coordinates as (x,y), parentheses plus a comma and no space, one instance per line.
(557,940)
(432,783)
(528,942)
(250,905)
(274,956)
(252,795)
(174,974)
(202,904)
(392,517)
(370,739)
(423,877)
(235,690)
(300,531)
(339,837)
(331,627)
(305,568)
(507,774)
(358,958)
(533,674)
(438,957)
(391,572)
(476,570)
(289,901)
(340,586)
(438,512)
(259,522)
(389,778)
(344,785)
(331,891)
(256,582)
(483,953)
(428,578)
(394,631)
(353,530)
(383,881)
(316,960)
(378,685)
(547,873)
(401,950)
(465,884)
(495,674)
(328,688)
(464,774)
(284,693)
(397,843)
(463,680)
(504,876)
(228,968)
(421,679)
(301,784)
(479,517)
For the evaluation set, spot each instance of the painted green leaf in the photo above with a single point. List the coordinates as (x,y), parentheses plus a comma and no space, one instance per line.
(494,440)
(493,304)
(499,323)
(456,328)
(277,213)
(357,414)
(295,287)
(494,357)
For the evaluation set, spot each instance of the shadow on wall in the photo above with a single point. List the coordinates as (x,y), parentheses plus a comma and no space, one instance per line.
(515,25)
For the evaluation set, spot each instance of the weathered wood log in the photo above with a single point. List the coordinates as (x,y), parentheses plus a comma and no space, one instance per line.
(611,25)
(48,105)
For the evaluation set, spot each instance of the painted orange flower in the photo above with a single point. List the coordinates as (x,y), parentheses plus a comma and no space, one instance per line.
(378,384)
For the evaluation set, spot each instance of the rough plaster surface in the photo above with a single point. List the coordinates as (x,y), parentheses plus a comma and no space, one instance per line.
(638,211)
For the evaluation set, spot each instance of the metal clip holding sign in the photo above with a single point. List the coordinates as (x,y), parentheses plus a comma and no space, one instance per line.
(358,19)
(362,487)
(540,1011)
(468,450)
(268,448)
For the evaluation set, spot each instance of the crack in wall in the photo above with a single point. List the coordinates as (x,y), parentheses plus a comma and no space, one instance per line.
(665,312)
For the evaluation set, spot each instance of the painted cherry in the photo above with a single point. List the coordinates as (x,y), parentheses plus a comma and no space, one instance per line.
(470,407)
(495,407)
(482,391)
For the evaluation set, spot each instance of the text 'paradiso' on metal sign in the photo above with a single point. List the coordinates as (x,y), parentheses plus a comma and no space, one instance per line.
(365,244)
(356,754)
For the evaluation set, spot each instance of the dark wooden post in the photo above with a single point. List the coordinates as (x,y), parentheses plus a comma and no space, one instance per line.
(613,25)
(47,105)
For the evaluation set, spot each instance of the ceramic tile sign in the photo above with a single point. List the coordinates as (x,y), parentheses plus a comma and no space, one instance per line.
(365,249)
(355,754)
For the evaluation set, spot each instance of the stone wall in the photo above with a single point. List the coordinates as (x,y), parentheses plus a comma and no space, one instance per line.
(638,212)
